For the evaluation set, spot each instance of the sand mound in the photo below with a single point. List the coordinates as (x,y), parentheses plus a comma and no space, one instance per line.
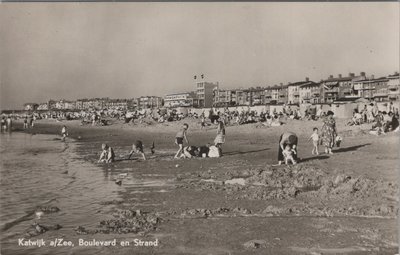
(222,211)
(126,221)
(319,190)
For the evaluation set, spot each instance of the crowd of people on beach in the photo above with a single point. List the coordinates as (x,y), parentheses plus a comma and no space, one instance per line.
(189,151)
(381,121)
(104,117)
(287,150)
(371,114)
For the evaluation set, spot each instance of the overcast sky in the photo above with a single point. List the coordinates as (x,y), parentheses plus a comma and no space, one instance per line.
(125,50)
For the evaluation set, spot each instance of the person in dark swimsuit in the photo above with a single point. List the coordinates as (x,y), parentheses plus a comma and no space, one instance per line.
(180,136)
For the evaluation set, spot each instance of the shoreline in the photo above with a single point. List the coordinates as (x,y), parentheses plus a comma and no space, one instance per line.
(205,196)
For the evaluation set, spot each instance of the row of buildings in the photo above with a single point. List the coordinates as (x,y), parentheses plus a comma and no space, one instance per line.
(330,90)
(98,103)
(208,94)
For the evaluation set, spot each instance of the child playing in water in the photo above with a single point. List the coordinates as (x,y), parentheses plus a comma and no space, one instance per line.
(3,124)
(315,139)
(137,147)
(64,133)
(107,155)
(179,139)
(26,122)
(9,123)
(288,153)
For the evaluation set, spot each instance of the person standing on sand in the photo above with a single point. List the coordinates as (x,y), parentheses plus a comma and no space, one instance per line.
(328,132)
(315,139)
(179,139)
(220,138)
(203,121)
(287,138)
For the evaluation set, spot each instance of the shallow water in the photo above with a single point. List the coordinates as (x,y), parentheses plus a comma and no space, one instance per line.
(39,170)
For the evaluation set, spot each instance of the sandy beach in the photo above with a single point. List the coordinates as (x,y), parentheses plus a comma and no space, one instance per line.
(345,203)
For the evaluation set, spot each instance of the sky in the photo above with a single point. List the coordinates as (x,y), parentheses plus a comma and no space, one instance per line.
(126,50)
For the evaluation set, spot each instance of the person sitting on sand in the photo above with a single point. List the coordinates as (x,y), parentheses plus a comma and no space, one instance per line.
(387,119)
(394,123)
(276,122)
(180,136)
(287,138)
(203,151)
(107,155)
(64,133)
(189,152)
(289,154)
(137,147)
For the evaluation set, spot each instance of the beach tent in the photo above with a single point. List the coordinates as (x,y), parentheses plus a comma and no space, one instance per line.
(344,111)
(304,107)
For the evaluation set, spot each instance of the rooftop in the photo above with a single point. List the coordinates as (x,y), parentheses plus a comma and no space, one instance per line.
(300,83)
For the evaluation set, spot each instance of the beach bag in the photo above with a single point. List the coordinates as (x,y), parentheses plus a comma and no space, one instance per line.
(214,152)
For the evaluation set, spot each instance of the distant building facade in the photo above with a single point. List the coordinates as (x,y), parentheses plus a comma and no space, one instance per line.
(279,94)
(310,93)
(225,97)
(30,106)
(394,86)
(185,99)
(255,96)
(340,87)
(294,91)
(43,107)
(148,102)
(205,93)
(209,94)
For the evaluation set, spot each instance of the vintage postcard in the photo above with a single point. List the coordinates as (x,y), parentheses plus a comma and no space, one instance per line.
(199,128)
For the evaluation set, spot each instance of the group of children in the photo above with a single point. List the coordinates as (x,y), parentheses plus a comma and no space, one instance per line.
(6,124)
(107,155)
(202,151)
(290,152)
(29,121)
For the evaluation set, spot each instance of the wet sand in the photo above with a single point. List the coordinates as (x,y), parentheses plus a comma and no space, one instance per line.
(329,204)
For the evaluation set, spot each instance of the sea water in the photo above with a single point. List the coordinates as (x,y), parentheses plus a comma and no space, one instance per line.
(41,170)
